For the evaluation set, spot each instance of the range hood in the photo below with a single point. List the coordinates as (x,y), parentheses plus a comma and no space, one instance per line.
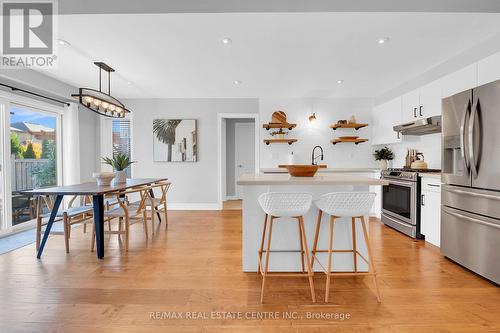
(420,127)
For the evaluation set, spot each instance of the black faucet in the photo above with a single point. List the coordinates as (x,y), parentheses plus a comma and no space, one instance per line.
(313,161)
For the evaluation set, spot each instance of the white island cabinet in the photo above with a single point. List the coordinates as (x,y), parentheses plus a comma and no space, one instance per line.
(285,230)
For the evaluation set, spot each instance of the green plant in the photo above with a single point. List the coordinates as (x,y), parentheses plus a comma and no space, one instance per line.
(119,162)
(15,146)
(30,152)
(383,154)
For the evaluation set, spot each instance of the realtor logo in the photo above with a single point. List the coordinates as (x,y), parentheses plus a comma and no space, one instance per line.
(28,34)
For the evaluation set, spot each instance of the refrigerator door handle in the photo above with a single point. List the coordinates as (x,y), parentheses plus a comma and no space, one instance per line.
(472,194)
(472,153)
(471,219)
(465,157)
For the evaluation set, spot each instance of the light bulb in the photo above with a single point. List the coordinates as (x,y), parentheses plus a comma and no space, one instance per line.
(88,99)
(112,107)
(119,109)
(97,102)
(105,105)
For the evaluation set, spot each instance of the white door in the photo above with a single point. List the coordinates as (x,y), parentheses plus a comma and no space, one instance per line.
(245,151)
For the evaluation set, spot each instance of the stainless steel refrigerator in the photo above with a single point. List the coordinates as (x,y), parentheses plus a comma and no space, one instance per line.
(470,211)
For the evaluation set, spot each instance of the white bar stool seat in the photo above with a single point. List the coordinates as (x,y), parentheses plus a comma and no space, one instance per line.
(283,204)
(345,204)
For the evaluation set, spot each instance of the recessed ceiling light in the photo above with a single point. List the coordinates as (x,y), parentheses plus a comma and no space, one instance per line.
(63,42)
(383,40)
(340,81)
(237,82)
(226,40)
(129,83)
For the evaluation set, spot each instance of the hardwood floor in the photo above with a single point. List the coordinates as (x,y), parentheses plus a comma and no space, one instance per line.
(196,267)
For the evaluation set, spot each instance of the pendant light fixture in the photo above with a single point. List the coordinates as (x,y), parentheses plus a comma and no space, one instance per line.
(100,102)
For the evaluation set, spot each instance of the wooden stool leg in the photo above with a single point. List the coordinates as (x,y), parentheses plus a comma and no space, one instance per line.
(316,237)
(301,245)
(84,227)
(66,232)
(127,232)
(268,250)
(165,214)
(354,248)
(145,219)
(330,251)
(371,265)
(261,248)
(309,267)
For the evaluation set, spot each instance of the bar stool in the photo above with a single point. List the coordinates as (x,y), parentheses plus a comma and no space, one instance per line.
(277,205)
(349,204)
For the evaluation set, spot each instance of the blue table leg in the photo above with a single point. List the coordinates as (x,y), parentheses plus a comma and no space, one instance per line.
(152,194)
(52,217)
(98,201)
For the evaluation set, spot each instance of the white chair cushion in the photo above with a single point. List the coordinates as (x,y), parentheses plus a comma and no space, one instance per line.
(344,204)
(285,204)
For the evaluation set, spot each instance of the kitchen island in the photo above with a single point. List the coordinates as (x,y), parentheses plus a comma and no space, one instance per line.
(285,231)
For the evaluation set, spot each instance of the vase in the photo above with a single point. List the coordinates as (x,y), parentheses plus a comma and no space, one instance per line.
(120,177)
(382,164)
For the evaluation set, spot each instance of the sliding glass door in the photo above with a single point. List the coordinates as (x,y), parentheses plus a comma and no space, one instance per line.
(33,157)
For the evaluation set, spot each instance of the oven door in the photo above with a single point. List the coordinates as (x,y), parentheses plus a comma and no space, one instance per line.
(399,200)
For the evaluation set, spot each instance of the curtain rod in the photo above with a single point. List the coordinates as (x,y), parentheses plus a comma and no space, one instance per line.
(34,94)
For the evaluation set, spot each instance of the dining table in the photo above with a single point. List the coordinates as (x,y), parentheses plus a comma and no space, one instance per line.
(98,193)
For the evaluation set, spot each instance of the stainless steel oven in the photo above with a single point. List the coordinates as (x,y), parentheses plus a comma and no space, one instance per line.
(400,202)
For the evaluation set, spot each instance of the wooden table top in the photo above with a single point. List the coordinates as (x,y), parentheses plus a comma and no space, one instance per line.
(92,188)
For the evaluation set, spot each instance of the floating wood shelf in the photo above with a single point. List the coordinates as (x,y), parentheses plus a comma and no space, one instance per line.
(355,141)
(289,141)
(355,126)
(279,125)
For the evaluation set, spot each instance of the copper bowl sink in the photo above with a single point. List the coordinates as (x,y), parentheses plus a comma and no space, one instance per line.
(305,170)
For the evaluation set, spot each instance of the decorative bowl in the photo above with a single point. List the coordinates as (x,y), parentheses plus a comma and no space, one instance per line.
(304,170)
(103,178)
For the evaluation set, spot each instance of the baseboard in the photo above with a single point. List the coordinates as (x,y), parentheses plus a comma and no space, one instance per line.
(377,215)
(231,197)
(193,206)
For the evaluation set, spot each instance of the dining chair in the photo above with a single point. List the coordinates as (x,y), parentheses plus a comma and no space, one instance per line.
(126,215)
(69,216)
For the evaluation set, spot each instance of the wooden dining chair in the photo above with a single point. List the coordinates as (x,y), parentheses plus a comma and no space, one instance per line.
(158,205)
(126,215)
(69,216)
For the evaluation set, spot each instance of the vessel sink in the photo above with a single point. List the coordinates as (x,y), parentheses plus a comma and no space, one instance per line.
(304,170)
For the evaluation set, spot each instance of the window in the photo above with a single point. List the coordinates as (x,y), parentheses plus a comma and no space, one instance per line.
(121,139)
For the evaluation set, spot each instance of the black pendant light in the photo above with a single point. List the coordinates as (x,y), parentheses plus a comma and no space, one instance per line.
(100,102)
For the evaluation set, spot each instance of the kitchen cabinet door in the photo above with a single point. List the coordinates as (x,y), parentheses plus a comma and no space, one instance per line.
(410,106)
(430,100)
(488,69)
(430,212)
(461,80)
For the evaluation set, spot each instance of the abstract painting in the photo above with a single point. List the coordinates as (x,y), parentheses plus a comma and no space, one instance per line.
(175,140)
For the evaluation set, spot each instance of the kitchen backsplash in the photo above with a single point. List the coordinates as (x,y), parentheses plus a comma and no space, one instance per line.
(429,145)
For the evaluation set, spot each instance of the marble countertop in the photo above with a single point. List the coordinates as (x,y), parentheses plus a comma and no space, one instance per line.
(324,170)
(318,179)
(430,175)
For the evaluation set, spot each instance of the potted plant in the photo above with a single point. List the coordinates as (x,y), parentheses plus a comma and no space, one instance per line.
(383,155)
(119,162)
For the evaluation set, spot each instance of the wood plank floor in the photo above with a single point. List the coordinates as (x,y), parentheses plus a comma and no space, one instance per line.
(196,267)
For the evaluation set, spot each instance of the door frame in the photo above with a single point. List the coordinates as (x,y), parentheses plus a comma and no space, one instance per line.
(236,137)
(8,99)
(221,141)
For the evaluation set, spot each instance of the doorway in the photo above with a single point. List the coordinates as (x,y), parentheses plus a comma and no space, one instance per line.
(239,154)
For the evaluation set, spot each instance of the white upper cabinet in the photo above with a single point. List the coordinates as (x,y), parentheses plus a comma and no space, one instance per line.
(459,81)
(410,106)
(422,103)
(430,99)
(488,70)
(385,117)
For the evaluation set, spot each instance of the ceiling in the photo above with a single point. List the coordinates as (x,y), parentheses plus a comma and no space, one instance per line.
(296,55)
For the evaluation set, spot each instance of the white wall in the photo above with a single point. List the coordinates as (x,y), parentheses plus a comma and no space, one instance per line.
(327,111)
(89,144)
(429,145)
(194,185)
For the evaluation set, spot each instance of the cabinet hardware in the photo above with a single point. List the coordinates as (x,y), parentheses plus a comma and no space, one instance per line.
(414,112)
(420,110)
(423,200)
